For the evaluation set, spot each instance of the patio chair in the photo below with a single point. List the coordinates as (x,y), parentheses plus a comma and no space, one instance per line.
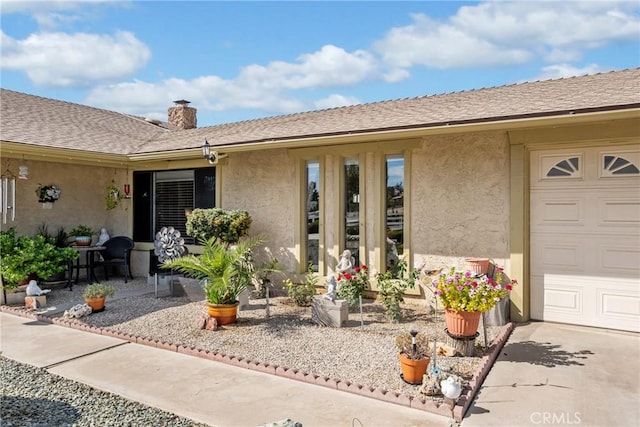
(117,252)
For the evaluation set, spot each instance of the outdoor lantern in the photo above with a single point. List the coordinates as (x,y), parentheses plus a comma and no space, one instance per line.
(206,149)
(23,172)
(211,156)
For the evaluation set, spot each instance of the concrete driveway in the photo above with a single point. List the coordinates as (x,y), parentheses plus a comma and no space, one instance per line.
(554,374)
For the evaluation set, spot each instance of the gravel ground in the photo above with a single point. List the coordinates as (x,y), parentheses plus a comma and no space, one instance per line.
(364,354)
(361,353)
(32,397)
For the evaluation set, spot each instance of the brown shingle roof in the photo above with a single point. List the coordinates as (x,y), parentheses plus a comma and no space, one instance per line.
(47,122)
(41,121)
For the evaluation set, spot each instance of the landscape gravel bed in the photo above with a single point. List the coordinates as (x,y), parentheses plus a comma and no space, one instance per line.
(362,352)
(32,397)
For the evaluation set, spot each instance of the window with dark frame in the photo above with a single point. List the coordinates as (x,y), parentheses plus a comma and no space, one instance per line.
(163,199)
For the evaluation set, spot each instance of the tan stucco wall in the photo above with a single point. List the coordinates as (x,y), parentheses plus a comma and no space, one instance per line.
(82,198)
(263,183)
(460,194)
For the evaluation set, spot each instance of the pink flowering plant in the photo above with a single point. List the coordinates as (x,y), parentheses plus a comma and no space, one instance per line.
(352,286)
(464,291)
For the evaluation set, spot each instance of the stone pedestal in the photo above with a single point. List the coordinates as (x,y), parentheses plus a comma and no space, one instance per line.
(329,313)
(35,302)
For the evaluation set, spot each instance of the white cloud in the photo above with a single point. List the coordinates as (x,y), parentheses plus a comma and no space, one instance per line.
(335,100)
(264,88)
(565,70)
(61,59)
(506,33)
(331,66)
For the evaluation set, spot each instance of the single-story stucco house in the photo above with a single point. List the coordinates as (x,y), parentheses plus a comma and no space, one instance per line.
(541,177)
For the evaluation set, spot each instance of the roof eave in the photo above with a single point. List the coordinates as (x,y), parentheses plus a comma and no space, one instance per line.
(407,132)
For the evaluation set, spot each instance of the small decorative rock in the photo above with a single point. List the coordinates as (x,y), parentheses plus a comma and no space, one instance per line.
(207,322)
(78,311)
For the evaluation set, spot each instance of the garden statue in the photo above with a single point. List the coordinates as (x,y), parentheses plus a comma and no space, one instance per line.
(33,290)
(104,236)
(345,265)
(332,288)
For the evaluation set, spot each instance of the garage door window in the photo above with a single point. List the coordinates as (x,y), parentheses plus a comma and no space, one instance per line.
(614,165)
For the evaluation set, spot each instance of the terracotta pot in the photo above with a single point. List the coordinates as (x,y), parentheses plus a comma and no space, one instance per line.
(462,323)
(96,304)
(479,266)
(83,240)
(413,369)
(225,314)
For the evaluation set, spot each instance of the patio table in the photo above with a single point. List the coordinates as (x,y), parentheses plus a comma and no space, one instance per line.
(89,262)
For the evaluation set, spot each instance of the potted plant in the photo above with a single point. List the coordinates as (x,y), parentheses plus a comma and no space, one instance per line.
(414,355)
(465,295)
(95,295)
(83,235)
(27,258)
(225,271)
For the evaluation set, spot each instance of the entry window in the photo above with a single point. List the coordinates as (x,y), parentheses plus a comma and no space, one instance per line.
(174,197)
(163,199)
(313,214)
(394,209)
(352,206)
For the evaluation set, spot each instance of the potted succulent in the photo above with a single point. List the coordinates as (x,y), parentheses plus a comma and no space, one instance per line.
(465,295)
(83,235)
(225,271)
(414,355)
(95,295)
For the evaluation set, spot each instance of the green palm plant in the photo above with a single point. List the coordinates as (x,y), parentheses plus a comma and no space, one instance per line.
(225,270)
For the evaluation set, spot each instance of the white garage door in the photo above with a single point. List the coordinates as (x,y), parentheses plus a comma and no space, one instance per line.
(585,236)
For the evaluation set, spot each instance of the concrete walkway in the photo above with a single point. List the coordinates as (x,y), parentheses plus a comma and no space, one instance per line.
(546,374)
(205,391)
(553,374)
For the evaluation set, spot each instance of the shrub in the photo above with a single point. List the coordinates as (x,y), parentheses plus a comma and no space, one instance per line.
(352,286)
(26,256)
(226,226)
(302,293)
(392,285)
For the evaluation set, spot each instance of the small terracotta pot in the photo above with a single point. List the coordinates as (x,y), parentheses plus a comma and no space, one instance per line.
(413,369)
(96,304)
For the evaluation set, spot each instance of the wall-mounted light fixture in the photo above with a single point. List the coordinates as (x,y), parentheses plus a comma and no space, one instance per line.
(212,156)
(23,172)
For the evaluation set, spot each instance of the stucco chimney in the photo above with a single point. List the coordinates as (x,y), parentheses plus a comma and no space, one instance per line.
(182,116)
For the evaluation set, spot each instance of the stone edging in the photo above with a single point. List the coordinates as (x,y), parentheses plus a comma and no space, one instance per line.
(415,402)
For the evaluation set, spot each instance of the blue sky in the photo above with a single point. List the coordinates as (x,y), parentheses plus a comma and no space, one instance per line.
(244,60)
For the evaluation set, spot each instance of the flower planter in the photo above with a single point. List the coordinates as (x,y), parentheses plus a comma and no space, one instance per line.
(225,314)
(479,266)
(462,323)
(96,304)
(83,240)
(413,369)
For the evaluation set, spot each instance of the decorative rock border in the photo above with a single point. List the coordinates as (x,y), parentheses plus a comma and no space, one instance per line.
(456,412)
